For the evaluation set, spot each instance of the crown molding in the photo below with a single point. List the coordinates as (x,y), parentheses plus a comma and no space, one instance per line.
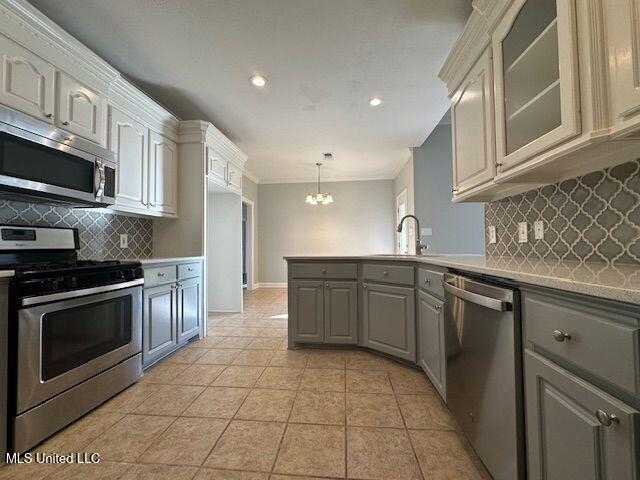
(251,177)
(273,181)
(199,131)
(399,168)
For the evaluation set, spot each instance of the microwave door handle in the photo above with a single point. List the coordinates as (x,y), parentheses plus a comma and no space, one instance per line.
(99,178)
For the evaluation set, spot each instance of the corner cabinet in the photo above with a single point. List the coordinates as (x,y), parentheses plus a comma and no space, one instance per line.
(223,172)
(575,430)
(536,79)
(472,114)
(388,320)
(173,308)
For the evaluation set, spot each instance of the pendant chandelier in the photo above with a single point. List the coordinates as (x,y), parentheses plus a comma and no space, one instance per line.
(319,198)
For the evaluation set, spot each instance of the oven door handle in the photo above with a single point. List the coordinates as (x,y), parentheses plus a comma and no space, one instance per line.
(487,302)
(52,297)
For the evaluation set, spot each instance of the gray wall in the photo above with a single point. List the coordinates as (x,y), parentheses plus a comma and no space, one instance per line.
(404,181)
(360,221)
(457,227)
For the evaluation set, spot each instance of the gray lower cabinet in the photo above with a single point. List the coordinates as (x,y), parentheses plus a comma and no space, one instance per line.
(431,338)
(159,332)
(575,430)
(189,311)
(340,312)
(388,320)
(323,311)
(306,311)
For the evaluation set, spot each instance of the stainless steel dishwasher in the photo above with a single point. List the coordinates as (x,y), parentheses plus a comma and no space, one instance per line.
(484,371)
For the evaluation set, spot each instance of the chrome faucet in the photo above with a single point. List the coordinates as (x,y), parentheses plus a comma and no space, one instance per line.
(419,245)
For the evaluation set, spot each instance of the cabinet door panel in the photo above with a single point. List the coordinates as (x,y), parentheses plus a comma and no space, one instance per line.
(388,320)
(27,81)
(234,177)
(163,181)
(537,102)
(306,311)
(188,309)
(216,167)
(128,139)
(565,439)
(340,312)
(431,350)
(160,314)
(472,118)
(80,110)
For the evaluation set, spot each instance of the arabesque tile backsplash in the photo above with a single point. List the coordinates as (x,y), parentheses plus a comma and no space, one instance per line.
(592,218)
(99,232)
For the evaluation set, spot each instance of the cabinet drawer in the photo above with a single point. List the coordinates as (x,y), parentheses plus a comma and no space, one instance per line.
(431,281)
(602,342)
(159,275)
(324,270)
(380,272)
(189,270)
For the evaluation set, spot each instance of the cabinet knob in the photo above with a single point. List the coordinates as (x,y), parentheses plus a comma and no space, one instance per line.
(324,270)
(606,419)
(427,281)
(385,273)
(364,286)
(48,115)
(326,284)
(65,123)
(161,274)
(190,269)
(560,336)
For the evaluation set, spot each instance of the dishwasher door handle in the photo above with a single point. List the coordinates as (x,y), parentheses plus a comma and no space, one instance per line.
(488,302)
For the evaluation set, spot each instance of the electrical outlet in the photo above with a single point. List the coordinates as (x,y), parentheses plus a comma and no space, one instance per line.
(523,233)
(538,230)
(124,240)
(492,234)
(427,231)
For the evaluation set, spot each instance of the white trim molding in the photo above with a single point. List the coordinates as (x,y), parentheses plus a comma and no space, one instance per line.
(251,177)
(271,285)
(199,131)
(272,181)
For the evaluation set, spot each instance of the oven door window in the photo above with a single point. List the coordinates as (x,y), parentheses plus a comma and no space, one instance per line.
(27,160)
(74,336)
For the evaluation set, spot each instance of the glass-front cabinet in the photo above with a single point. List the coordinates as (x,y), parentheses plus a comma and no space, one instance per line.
(536,79)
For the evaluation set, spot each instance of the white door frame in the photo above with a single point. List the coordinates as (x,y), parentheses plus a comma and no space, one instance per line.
(401,198)
(251,230)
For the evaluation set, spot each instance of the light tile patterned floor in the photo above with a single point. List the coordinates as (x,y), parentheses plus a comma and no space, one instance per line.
(239,406)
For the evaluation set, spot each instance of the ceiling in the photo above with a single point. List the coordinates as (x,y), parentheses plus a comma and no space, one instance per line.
(324,59)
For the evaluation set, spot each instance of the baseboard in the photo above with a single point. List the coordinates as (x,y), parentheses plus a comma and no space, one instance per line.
(270,285)
(224,311)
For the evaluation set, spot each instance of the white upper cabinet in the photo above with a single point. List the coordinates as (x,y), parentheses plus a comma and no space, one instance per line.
(474,161)
(622,19)
(216,166)
(27,81)
(80,110)
(234,178)
(129,140)
(536,79)
(163,170)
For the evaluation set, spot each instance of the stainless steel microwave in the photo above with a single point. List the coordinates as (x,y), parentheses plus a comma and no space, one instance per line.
(39,162)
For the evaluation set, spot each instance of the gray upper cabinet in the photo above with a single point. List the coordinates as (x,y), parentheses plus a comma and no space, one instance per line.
(306,311)
(388,320)
(341,312)
(188,308)
(575,430)
(431,348)
(160,321)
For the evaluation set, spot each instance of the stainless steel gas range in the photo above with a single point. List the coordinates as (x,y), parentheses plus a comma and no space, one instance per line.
(75,330)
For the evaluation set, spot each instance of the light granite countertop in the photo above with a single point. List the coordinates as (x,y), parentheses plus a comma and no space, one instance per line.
(7,273)
(620,282)
(150,261)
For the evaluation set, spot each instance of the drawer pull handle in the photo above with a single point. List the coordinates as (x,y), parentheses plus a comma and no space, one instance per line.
(65,123)
(48,115)
(161,274)
(560,336)
(427,281)
(190,269)
(606,419)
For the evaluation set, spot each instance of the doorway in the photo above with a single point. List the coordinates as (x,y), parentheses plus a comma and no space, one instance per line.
(248,244)
(402,238)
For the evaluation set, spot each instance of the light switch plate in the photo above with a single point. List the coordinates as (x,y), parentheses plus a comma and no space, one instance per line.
(124,240)
(427,231)
(492,234)
(523,232)
(538,230)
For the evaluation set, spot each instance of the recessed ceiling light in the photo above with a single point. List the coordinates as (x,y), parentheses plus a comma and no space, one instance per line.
(258,80)
(375,101)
